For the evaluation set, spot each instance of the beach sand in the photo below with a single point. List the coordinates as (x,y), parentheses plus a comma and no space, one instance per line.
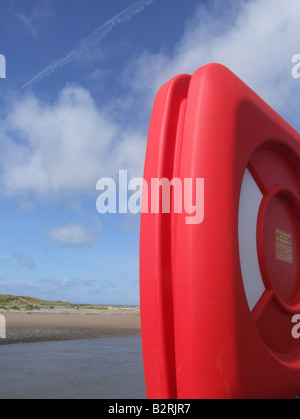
(69,324)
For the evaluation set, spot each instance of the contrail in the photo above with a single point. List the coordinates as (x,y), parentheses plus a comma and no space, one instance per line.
(90,41)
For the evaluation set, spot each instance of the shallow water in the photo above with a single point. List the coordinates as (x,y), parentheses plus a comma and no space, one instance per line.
(105,368)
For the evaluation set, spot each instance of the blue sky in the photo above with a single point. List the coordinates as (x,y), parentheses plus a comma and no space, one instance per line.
(75,106)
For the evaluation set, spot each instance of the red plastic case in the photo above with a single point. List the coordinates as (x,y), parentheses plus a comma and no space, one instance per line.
(212,328)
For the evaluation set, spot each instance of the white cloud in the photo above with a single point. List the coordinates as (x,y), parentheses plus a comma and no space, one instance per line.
(255,39)
(54,150)
(71,235)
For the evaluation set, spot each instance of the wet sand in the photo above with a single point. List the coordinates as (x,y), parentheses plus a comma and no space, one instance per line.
(69,324)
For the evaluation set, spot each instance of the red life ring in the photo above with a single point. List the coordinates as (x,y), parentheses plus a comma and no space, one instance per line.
(218,297)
